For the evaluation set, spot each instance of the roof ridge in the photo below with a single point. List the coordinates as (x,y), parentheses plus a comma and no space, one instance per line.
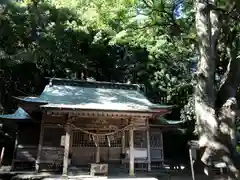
(94,84)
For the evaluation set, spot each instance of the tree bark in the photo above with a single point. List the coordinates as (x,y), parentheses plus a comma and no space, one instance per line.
(205,94)
(216,128)
(227,114)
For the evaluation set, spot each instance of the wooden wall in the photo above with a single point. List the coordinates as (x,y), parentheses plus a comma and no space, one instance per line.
(83,148)
(26,146)
(51,156)
(28,140)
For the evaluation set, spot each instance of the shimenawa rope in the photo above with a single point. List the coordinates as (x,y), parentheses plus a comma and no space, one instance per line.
(104,134)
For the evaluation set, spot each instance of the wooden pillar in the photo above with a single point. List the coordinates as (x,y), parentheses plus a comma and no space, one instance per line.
(66,150)
(37,163)
(123,143)
(97,150)
(192,158)
(15,149)
(2,155)
(71,142)
(162,148)
(98,154)
(131,152)
(148,146)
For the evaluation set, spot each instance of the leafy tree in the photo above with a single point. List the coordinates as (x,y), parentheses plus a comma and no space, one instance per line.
(130,41)
(119,46)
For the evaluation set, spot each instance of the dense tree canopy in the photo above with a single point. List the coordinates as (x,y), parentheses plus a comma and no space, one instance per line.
(122,41)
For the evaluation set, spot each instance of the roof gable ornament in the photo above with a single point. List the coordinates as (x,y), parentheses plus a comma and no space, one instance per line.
(50,82)
(91,79)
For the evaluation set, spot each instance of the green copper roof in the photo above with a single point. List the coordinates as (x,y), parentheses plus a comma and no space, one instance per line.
(164,121)
(61,93)
(18,114)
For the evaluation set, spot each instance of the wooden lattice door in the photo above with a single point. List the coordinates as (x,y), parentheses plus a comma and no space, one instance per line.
(114,147)
(156,145)
(84,148)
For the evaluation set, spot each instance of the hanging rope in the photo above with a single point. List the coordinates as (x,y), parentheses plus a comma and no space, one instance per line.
(105,134)
(96,140)
(109,142)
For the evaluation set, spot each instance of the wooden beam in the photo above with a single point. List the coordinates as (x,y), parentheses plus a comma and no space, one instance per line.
(99,113)
(131,152)
(148,146)
(37,163)
(66,150)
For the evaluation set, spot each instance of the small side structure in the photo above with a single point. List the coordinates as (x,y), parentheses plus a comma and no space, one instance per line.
(27,136)
(79,123)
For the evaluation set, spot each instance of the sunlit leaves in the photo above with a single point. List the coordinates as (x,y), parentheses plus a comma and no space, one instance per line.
(115,40)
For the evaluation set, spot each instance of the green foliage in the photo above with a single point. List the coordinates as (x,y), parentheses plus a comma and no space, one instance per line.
(188,111)
(169,48)
(110,40)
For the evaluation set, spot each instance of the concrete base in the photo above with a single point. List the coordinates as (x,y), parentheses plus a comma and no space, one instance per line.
(100,178)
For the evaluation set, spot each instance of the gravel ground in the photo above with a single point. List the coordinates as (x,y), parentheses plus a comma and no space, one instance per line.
(183,175)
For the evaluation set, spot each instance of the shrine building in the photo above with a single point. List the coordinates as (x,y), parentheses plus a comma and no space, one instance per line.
(88,123)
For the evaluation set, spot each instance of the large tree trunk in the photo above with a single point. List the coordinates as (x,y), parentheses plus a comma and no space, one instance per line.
(205,95)
(227,93)
(216,128)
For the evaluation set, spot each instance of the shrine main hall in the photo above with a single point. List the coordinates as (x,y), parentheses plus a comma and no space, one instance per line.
(88,123)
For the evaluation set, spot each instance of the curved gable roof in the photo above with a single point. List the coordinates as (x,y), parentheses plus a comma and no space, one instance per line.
(61,93)
(19,114)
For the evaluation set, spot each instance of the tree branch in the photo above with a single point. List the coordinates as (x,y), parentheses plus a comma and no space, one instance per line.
(232,13)
(231,78)
(170,15)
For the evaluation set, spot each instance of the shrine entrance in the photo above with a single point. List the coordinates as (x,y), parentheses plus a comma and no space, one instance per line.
(85,148)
